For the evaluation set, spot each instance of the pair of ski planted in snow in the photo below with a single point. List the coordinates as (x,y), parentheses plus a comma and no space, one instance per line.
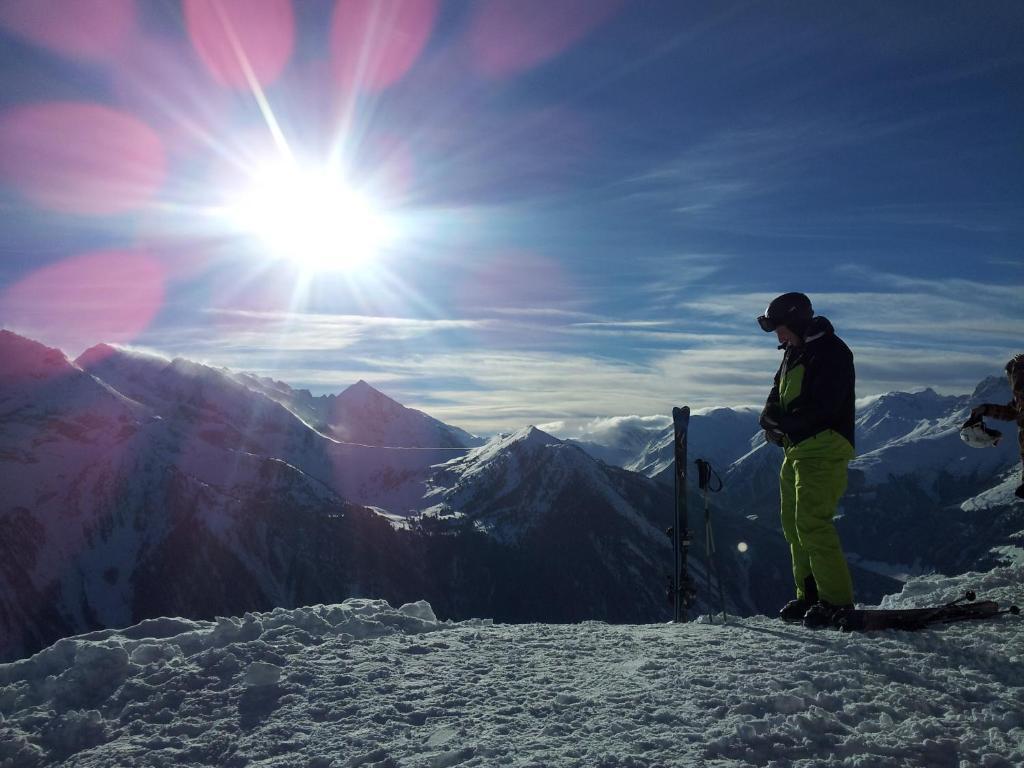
(682,590)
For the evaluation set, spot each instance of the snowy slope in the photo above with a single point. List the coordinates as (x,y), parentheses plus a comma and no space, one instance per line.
(362,683)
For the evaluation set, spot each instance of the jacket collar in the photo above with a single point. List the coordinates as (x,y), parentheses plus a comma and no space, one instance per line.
(819,328)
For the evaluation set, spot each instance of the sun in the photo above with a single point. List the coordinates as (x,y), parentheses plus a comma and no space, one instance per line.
(311,217)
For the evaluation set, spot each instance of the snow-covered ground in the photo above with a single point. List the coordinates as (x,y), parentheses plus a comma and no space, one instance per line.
(364,684)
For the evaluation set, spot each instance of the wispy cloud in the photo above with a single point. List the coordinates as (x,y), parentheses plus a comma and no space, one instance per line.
(540,367)
(536,312)
(305,332)
(754,161)
(955,313)
(606,431)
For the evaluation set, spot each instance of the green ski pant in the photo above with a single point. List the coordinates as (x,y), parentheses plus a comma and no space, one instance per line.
(812,481)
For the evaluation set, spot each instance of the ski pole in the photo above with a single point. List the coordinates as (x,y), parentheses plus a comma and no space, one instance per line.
(704,476)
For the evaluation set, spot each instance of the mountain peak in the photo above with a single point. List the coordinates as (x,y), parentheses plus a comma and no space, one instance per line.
(529,437)
(101,356)
(361,391)
(96,354)
(24,357)
(534,436)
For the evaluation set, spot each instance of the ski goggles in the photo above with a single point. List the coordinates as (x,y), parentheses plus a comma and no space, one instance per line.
(767,324)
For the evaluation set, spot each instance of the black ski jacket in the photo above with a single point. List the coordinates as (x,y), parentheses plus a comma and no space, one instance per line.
(826,397)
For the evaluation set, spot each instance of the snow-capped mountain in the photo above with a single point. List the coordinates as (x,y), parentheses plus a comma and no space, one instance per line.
(238,412)
(191,494)
(137,486)
(590,538)
(894,416)
(363,415)
(506,485)
(926,446)
(899,434)
(918,499)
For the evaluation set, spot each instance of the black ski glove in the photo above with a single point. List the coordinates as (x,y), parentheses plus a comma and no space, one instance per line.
(770,416)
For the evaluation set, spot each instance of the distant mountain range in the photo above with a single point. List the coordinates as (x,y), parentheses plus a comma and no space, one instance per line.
(136,486)
(919,499)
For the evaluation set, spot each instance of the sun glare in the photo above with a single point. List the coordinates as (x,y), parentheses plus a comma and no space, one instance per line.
(312,218)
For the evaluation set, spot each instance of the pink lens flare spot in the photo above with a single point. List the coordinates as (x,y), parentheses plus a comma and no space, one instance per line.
(241,40)
(80,158)
(374,43)
(87,29)
(507,37)
(109,296)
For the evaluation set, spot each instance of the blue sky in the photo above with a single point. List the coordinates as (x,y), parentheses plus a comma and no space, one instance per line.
(590,200)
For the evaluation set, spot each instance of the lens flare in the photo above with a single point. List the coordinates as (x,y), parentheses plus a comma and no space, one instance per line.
(80,158)
(507,37)
(87,29)
(374,43)
(311,217)
(242,40)
(108,296)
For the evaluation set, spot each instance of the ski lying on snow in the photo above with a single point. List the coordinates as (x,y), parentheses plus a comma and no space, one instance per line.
(873,619)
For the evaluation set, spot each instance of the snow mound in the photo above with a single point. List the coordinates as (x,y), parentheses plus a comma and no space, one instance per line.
(363,683)
(1004,585)
(80,687)
(84,668)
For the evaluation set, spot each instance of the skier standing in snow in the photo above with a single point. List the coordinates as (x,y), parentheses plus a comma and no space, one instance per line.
(810,413)
(1012,411)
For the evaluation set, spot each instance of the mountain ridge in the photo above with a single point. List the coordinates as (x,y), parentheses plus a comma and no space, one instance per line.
(207,473)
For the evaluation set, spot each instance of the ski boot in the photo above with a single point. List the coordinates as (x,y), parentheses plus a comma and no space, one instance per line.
(794,610)
(1019,493)
(823,614)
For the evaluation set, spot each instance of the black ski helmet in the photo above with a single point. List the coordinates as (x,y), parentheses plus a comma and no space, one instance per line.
(792,310)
